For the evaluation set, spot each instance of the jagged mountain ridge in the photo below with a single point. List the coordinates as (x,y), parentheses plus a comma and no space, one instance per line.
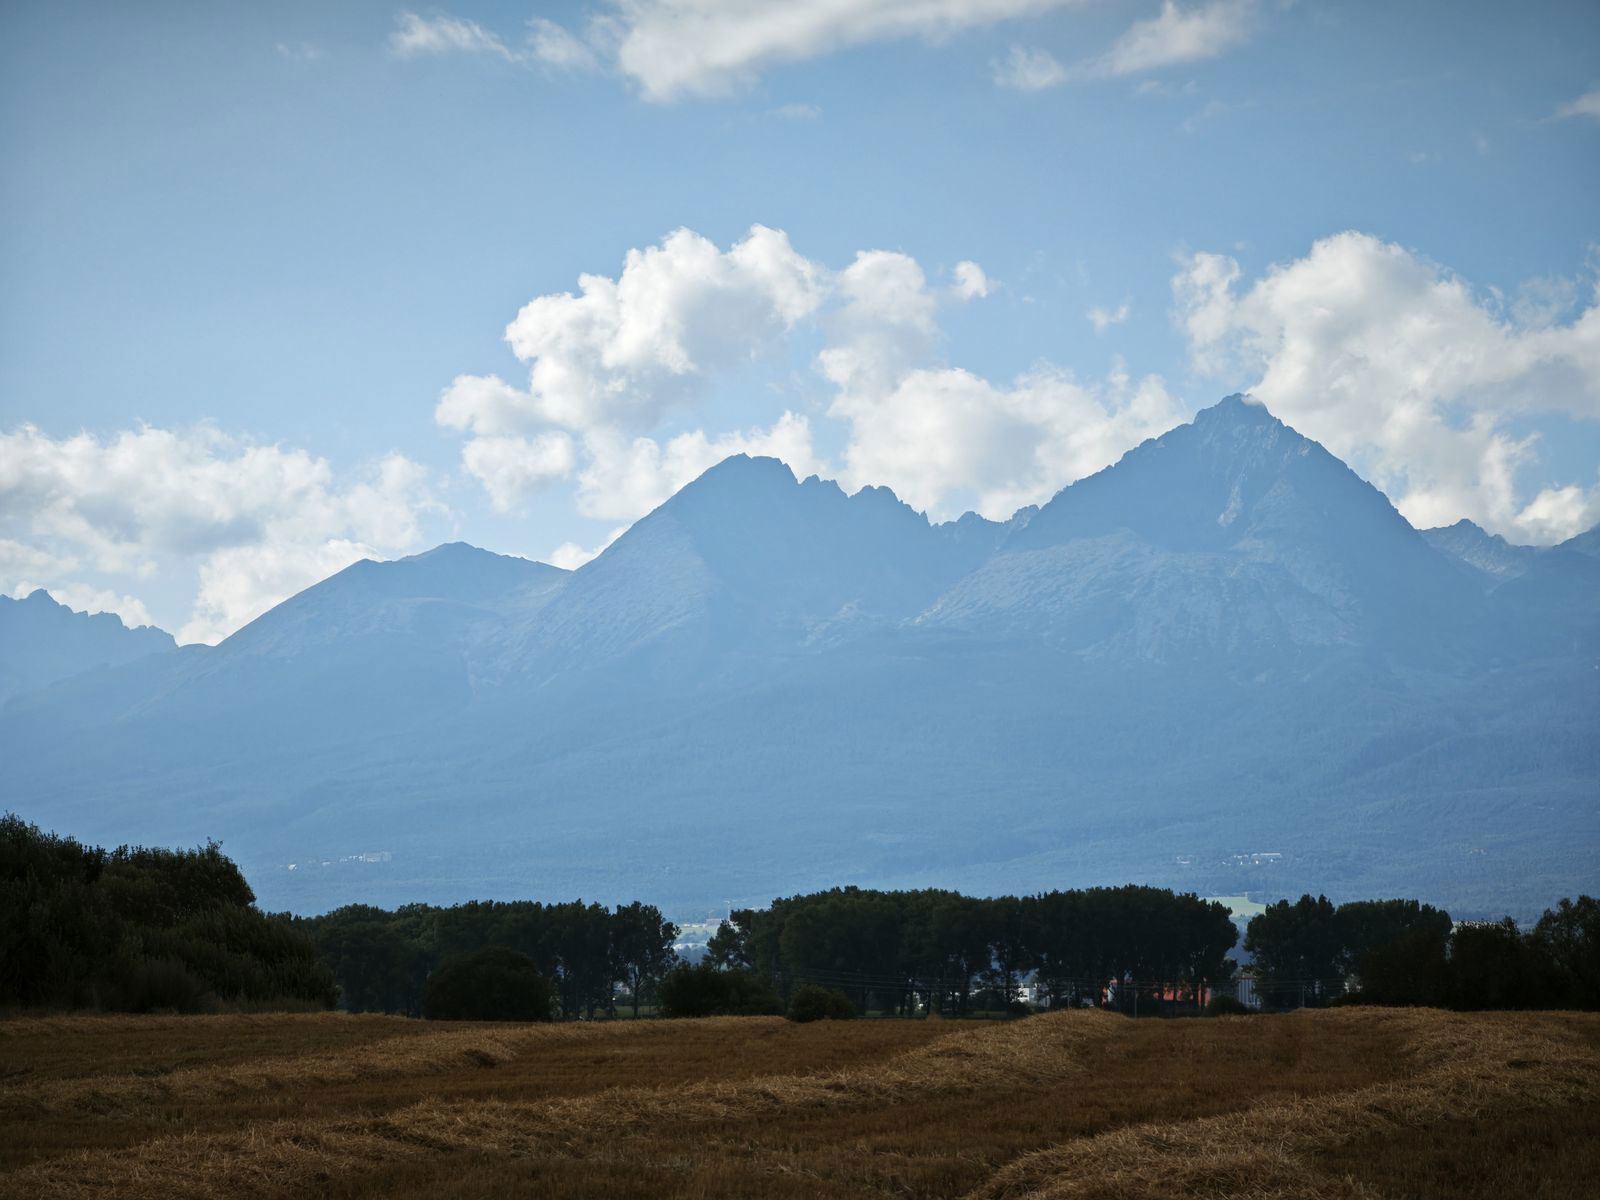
(765,683)
(43,642)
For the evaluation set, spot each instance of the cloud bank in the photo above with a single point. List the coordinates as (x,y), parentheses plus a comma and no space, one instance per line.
(613,361)
(256,522)
(1399,367)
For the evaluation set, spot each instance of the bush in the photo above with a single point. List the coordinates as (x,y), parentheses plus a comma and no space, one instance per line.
(704,991)
(1226,1006)
(492,984)
(814,1003)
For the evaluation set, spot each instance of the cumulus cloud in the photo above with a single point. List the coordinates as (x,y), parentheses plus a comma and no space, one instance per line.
(610,364)
(623,351)
(1398,366)
(1027,69)
(943,438)
(627,477)
(1586,105)
(675,48)
(513,468)
(971,282)
(257,522)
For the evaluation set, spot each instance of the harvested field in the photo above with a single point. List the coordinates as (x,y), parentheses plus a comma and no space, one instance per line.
(1345,1103)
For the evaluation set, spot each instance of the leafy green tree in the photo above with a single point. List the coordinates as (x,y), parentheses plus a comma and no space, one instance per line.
(704,991)
(641,948)
(813,1002)
(730,944)
(1493,967)
(1567,940)
(491,984)
(1297,949)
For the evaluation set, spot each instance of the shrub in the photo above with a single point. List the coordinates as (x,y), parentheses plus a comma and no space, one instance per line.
(1226,1006)
(492,984)
(704,991)
(815,1003)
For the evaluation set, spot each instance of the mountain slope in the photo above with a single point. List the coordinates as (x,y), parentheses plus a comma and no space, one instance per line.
(1225,644)
(42,642)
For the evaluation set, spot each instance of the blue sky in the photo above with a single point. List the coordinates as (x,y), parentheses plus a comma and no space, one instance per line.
(259,262)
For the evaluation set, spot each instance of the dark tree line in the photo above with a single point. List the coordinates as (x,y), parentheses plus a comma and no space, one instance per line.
(588,953)
(1402,952)
(896,950)
(135,929)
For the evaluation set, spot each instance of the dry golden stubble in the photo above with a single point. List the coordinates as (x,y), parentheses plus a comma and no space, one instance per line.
(1473,1066)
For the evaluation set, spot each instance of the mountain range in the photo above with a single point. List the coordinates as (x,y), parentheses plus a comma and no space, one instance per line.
(1225,663)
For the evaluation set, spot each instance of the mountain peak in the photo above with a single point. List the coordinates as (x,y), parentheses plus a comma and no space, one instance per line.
(1237,409)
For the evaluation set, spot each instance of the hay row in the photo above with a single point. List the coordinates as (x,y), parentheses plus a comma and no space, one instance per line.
(1469,1067)
(278,1157)
(427,1052)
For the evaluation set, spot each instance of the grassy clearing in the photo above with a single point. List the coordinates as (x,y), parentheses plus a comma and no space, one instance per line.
(1347,1103)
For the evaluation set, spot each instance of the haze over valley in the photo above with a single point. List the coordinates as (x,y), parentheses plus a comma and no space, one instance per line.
(1224,664)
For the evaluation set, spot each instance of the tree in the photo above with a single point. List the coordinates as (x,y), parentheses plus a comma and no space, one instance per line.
(815,1003)
(1297,948)
(704,991)
(641,947)
(492,984)
(1567,940)
(730,944)
(1492,966)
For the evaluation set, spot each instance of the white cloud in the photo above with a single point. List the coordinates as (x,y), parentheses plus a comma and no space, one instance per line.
(610,364)
(1104,318)
(556,46)
(1397,366)
(627,477)
(946,438)
(1026,69)
(257,522)
(675,48)
(512,468)
(546,42)
(1586,105)
(795,112)
(440,34)
(569,556)
(1175,35)
(971,282)
(623,351)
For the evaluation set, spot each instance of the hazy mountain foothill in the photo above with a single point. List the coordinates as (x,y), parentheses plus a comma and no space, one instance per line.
(1225,664)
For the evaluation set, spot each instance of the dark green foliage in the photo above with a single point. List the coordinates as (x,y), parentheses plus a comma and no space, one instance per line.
(1412,969)
(382,959)
(1567,939)
(1226,1006)
(1298,950)
(139,929)
(814,1003)
(730,944)
(1399,952)
(1494,966)
(704,991)
(905,951)
(492,984)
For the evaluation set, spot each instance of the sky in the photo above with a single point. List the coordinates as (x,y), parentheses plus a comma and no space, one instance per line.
(285,286)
